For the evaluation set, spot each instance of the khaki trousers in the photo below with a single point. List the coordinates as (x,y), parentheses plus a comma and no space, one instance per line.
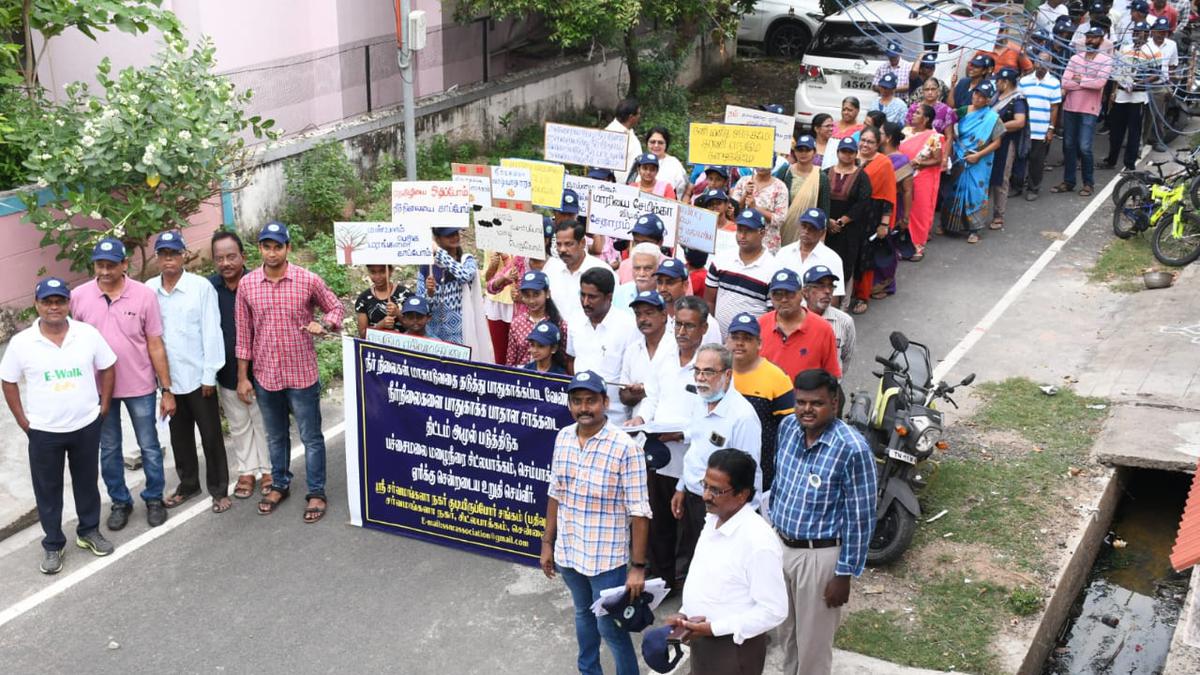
(247,447)
(807,635)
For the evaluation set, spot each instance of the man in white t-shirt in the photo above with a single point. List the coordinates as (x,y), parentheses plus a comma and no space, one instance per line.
(564,272)
(599,340)
(809,250)
(1160,32)
(1049,12)
(628,113)
(67,368)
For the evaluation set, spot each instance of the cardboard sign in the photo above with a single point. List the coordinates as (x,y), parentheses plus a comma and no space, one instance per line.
(477,178)
(546,181)
(667,209)
(513,232)
(431,204)
(421,345)
(512,188)
(783,125)
(697,228)
(405,243)
(582,187)
(611,209)
(587,147)
(731,145)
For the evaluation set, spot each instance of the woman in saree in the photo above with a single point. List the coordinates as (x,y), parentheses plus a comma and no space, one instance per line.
(848,125)
(880,170)
(822,133)
(850,207)
(807,187)
(976,137)
(887,254)
(924,148)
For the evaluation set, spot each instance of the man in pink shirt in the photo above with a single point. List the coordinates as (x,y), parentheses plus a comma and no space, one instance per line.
(1083,85)
(127,316)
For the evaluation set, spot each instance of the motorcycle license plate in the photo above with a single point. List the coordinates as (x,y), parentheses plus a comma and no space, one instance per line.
(902,456)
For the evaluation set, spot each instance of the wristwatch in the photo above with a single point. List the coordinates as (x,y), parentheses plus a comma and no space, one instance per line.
(639,565)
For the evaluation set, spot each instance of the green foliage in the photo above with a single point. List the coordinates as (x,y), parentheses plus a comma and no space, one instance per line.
(140,157)
(13,106)
(325,264)
(1122,263)
(319,184)
(329,361)
(1025,601)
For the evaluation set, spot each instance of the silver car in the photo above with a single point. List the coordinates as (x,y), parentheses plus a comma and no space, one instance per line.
(781,27)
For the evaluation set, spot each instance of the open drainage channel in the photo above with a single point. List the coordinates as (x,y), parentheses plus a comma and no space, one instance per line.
(1123,619)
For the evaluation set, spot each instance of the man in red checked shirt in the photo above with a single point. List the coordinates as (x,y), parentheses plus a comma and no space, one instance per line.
(275,330)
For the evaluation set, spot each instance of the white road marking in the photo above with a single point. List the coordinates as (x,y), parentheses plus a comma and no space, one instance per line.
(82,574)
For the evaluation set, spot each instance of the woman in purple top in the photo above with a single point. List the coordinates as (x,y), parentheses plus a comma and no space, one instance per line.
(932,93)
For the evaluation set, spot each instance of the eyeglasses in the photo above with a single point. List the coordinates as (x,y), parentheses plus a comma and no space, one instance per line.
(707,372)
(708,489)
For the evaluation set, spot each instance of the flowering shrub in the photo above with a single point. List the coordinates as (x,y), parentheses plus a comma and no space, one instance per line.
(142,157)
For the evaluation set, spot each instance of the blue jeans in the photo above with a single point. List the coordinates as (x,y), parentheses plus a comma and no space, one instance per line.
(589,628)
(143,413)
(305,406)
(1079,130)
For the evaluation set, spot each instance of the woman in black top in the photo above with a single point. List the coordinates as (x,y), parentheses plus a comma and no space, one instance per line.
(377,307)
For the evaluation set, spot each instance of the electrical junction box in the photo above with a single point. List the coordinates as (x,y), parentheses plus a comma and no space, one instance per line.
(416,30)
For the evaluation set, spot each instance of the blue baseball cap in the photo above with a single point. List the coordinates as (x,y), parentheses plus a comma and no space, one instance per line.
(1139,6)
(646,158)
(713,195)
(815,217)
(1041,34)
(275,231)
(649,298)
(545,333)
(986,88)
(774,108)
(888,81)
(630,614)
(893,50)
(415,305)
(745,323)
(750,218)
(722,171)
(806,141)
(445,231)
(172,241)
(1094,31)
(1010,74)
(649,225)
(588,380)
(672,268)
(534,280)
(109,249)
(660,655)
(548,226)
(51,286)
(1161,24)
(597,173)
(1098,8)
(1140,27)
(928,59)
(817,273)
(784,280)
(570,202)
(981,61)
(848,143)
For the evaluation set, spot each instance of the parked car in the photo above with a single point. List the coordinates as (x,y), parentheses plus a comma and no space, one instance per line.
(849,47)
(781,27)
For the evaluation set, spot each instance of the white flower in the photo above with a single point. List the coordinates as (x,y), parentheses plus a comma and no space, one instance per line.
(41,182)
(41,144)
(63,227)
(44,156)
(204,143)
(125,166)
(87,141)
(60,123)
(119,231)
(134,98)
(73,171)
(68,212)
(224,128)
(95,215)
(182,168)
(185,135)
(162,141)
(141,86)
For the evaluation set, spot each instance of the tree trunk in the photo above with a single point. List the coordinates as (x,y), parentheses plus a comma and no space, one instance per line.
(633,64)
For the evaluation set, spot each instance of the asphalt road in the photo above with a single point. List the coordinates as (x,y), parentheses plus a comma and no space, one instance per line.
(238,592)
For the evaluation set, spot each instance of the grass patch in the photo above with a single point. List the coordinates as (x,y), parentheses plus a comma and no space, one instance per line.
(1122,263)
(951,628)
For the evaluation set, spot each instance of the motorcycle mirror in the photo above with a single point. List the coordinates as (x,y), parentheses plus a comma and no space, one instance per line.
(899,341)
(967,380)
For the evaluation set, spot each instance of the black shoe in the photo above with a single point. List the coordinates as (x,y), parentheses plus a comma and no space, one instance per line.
(156,512)
(119,516)
(51,562)
(1102,130)
(1106,165)
(94,542)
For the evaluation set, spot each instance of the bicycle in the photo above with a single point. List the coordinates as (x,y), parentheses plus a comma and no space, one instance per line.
(1135,204)
(1176,239)
(1145,178)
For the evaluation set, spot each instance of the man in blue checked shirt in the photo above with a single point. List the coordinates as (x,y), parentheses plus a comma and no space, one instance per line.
(823,508)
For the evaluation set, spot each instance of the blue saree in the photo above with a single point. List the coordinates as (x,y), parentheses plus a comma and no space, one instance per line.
(969,201)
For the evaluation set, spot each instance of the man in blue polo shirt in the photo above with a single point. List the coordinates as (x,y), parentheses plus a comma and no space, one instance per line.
(67,368)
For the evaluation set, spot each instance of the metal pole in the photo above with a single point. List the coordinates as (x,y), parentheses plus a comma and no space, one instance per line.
(404,59)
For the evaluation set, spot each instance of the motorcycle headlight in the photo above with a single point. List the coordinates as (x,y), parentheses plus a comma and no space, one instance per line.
(925,441)
(924,434)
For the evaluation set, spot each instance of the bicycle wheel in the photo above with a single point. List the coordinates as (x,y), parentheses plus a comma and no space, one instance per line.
(1132,214)
(1173,250)
(1125,183)
(1194,192)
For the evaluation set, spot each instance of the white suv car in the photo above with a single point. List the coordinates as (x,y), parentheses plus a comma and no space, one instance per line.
(849,48)
(781,27)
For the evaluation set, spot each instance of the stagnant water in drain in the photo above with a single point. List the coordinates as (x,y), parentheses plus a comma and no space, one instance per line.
(1123,620)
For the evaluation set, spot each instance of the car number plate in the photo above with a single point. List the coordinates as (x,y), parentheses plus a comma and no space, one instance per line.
(856,83)
(902,456)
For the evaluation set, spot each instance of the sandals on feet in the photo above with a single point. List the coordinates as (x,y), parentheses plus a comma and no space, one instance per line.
(244,487)
(314,513)
(178,499)
(1086,191)
(265,484)
(267,506)
(997,224)
(1062,187)
(859,306)
(221,505)
(973,238)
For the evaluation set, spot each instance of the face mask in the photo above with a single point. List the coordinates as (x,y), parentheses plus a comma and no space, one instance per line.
(713,395)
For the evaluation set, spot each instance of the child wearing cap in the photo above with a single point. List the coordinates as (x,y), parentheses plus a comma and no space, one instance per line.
(533,305)
(647,179)
(414,317)
(451,286)
(545,350)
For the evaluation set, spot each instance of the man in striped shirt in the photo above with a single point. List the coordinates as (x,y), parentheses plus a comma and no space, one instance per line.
(275,330)
(823,508)
(738,278)
(1043,93)
(597,493)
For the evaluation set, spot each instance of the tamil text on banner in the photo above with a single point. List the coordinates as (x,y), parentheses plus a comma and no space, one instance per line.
(451,452)
(697,228)
(512,232)
(611,210)
(569,144)
(547,180)
(582,186)
(667,209)
(512,188)
(420,344)
(431,203)
(731,145)
(477,178)
(406,242)
(784,125)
